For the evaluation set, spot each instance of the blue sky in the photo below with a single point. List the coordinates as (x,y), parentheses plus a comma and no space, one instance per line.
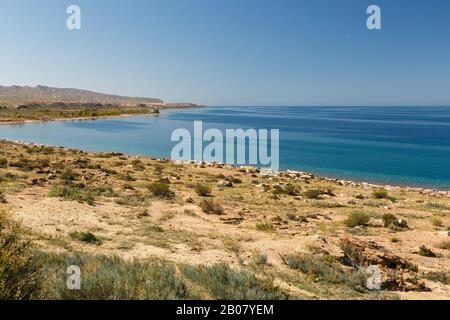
(234,52)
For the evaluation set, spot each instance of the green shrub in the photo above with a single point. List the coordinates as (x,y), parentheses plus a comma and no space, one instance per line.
(389,219)
(69,175)
(382,194)
(20,275)
(425,252)
(259,259)
(135,200)
(439,276)
(3,162)
(224,283)
(265,226)
(72,193)
(2,198)
(137,165)
(202,190)
(211,207)
(288,189)
(88,237)
(23,164)
(161,190)
(113,278)
(324,268)
(357,218)
(317,193)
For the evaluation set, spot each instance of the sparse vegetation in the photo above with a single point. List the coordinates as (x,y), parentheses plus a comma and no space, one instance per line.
(202,190)
(161,190)
(357,218)
(87,237)
(44,113)
(439,276)
(211,207)
(69,175)
(288,189)
(72,193)
(382,194)
(436,221)
(265,226)
(426,252)
(259,259)
(131,218)
(112,278)
(324,268)
(317,193)
(224,283)
(20,275)
(137,165)
(3,162)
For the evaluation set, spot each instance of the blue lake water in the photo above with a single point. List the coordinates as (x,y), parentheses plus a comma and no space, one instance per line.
(397,145)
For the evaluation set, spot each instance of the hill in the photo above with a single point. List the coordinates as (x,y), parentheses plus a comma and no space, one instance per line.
(15,95)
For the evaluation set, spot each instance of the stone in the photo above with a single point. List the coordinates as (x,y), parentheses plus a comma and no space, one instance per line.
(224,184)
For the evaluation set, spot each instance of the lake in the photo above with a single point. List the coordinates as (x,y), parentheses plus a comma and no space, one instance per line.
(396,145)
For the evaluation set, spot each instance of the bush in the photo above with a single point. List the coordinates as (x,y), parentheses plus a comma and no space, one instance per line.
(317,193)
(72,193)
(23,164)
(202,190)
(88,237)
(211,207)
(259,259)
(439,276)
(357,218)
(3,162)
(389,219)
(69,175)
(382,194)
(224,283)
(2,198)
(289,189)
(134,200)
(137,165)
(161,190)
(20,276)
(112,278)
(436,221)
(325,269)
(265,226)
(425,252)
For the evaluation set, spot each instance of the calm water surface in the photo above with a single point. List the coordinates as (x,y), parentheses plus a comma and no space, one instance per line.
(398,145)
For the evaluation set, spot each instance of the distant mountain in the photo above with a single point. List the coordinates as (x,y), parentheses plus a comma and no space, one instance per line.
(15,95)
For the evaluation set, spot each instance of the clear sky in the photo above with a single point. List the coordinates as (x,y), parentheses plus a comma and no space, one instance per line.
(234,52)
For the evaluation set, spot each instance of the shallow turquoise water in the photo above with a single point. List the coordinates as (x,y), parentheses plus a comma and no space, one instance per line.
(398,145)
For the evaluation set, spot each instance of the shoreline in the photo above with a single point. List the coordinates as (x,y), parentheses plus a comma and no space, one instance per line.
(288,173)
(125,115)
(342,180)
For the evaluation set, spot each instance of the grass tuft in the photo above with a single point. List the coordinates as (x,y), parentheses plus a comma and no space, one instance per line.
(224,283)
(357,218)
